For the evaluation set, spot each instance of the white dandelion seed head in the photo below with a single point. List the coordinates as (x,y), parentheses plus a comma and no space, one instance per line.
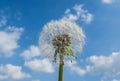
(57,27)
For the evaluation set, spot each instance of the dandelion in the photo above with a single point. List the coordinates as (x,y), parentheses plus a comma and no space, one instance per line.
(61,38)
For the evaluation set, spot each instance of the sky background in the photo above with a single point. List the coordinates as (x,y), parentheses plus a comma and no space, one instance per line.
(21,22)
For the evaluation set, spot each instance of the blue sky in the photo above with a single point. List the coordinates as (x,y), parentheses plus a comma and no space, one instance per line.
(21,22)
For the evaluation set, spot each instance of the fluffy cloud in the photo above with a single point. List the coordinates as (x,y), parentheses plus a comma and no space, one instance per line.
(73,67)
(115,80)
(80,14)
(9,40)
(110,1)
(40,65)
(32,52)
(12,72)
(108,66)
(107,1)
(35,80)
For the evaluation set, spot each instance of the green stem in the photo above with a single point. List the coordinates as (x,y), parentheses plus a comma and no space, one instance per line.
(61,68)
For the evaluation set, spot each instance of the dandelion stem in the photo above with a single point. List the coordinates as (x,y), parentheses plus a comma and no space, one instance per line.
(61,67)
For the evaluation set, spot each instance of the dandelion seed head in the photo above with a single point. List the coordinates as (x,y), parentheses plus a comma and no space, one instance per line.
(60,27)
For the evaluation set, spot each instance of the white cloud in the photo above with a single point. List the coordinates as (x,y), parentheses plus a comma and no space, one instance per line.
(87,18)
(107,1)
(35,80)
(110,1)
(10,71)
(108,66)
(32,52)
(40,65)
(73,67)
(80,14)
(115,80)
(67,11)
(9,40)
